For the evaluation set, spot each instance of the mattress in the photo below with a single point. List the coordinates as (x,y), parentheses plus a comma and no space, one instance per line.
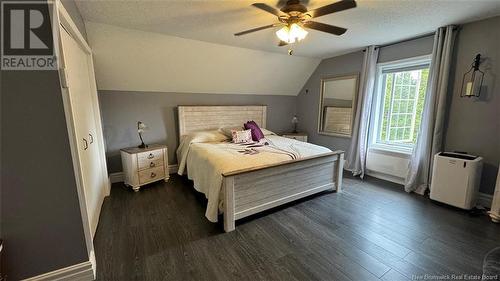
(204,159)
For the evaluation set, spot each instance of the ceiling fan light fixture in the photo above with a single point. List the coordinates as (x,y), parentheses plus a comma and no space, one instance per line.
(295,16)
(296,31)
(291,33)
(283,34)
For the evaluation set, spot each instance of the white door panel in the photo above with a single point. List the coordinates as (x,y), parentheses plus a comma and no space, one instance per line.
(80,96)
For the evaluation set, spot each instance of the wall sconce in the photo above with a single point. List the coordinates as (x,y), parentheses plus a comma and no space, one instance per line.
(473,80)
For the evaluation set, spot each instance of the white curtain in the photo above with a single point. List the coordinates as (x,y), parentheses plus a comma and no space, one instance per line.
(495,205)
(430,137)
(356,156)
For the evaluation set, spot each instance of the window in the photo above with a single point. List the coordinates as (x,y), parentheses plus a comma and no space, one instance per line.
(399,100)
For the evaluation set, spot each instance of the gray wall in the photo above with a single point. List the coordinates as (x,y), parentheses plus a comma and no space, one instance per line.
(307,102)
(308,98)
(41,221)
(413,48)
(121,111)
(474,124)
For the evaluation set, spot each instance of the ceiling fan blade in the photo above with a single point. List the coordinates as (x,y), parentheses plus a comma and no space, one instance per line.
(255,29)
(325,27)
(332,8)
(282,43)
(268,9)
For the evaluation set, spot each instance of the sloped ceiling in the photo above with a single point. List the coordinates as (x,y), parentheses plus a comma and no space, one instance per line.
(372,22)
(132,60)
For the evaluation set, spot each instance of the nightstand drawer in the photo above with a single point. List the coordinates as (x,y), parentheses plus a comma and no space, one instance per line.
(144,165)
(150,175)
(147,164)
(150,156)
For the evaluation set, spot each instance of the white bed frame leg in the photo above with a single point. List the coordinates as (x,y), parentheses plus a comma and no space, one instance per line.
(339,172)
(229,221)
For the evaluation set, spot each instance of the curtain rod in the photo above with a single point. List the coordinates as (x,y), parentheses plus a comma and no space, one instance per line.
(406,40)
(403,41)
(410,39)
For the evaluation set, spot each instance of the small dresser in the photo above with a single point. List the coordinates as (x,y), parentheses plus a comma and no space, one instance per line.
(144,165)
(296,136)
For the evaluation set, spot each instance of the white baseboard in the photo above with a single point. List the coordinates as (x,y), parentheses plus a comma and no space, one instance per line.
(81,271)
(172,169)
(118,177)
(485,200)
(385,177)
(107,191)
(93,262)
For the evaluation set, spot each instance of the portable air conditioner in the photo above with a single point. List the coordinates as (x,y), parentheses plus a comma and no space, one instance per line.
(455,179)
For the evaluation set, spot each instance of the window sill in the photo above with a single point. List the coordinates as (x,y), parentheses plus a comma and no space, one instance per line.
(391,149)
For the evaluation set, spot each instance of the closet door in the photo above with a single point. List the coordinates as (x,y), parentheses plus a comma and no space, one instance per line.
(76,62)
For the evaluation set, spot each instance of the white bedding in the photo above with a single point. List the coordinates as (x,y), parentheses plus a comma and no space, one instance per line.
(206,156)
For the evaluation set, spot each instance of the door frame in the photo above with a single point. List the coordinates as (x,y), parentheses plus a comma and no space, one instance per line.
(63,20)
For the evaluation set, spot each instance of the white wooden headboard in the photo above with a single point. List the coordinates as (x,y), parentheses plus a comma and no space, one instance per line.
(210,117)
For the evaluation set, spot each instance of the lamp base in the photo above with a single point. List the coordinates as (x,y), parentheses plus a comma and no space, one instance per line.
(142,145)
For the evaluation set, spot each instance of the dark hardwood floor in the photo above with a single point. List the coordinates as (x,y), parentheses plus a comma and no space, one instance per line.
(371,231)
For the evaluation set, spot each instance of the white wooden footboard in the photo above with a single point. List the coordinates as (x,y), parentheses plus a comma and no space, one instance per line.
(254,190)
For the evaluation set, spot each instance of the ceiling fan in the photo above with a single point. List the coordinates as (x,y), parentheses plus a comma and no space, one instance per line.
(294,17)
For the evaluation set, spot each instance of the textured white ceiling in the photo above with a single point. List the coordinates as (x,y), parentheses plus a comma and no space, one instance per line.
(373,22)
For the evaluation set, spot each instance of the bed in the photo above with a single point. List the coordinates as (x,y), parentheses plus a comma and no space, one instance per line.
(238,184)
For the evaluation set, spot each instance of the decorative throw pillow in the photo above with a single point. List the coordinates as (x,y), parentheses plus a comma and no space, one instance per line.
(242,136)
(228,131)
(256,132)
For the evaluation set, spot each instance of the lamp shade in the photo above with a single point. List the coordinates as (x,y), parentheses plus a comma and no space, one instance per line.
(291,33)
(141,127)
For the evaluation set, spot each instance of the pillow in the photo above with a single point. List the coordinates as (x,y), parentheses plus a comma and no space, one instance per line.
(242,136)
(228,131)
(256,132)
(267,132)
(195,137)
(204,136)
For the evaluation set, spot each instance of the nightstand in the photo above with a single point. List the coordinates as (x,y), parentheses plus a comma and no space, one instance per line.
(296,136)
(144,165)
